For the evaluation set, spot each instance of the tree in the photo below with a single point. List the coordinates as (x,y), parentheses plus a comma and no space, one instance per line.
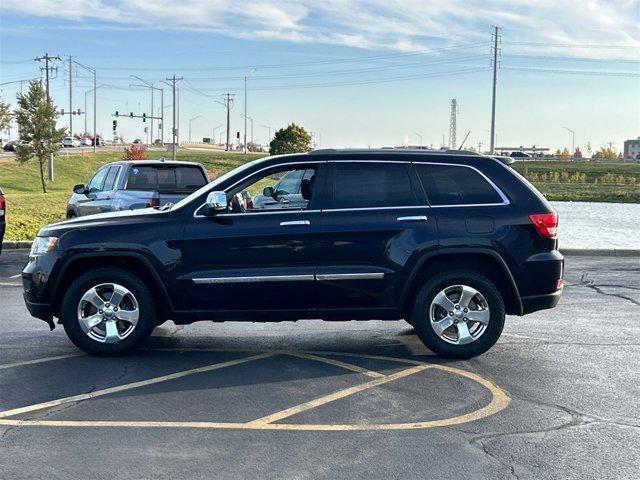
(565,153)
(293,139)
(577,153)
(5,118)
(605,152)
(36,117)
(136,152)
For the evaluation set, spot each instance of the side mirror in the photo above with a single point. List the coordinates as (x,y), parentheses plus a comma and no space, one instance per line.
(80,188)
(269,192)
(216,202)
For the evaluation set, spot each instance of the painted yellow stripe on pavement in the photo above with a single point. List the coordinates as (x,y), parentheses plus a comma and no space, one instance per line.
(129,386)
(40,360)
(336,396)
(337,363)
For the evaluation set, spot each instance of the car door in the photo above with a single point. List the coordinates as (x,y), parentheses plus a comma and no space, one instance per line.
(104,201)
(88,203)
(261,260)
(377,225)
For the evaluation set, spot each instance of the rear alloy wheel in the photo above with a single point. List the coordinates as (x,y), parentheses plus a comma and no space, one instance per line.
(108,311)
(459,314)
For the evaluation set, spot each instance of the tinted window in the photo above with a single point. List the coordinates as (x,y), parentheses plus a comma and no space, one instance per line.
(110,181)
(166,179)
(96,183)
(452,185)
(362,185)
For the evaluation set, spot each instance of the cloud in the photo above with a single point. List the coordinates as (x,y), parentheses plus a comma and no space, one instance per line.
(370,24)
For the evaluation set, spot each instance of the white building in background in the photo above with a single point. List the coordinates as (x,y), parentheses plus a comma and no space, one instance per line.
(631,148)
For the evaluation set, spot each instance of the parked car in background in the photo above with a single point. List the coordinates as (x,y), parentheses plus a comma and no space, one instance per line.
(129,185)
(3,216)
(10,146)
(520,155)
(69,142)
(137,141)
(85,141)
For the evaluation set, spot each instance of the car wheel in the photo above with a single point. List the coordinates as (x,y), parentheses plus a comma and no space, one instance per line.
(108,311)
(71,214)
(458,314)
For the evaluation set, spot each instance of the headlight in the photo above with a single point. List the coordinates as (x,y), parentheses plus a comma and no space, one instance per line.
(42,245)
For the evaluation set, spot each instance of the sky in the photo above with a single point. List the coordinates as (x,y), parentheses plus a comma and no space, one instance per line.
(356,73)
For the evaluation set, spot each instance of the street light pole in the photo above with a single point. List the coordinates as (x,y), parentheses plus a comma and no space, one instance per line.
(191,120)
(245,114)
(573,140)
(213,133)
(419,136)
(269,128)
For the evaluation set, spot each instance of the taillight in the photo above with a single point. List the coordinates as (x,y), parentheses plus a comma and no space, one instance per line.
(153,202)
(545,223)
(3,206)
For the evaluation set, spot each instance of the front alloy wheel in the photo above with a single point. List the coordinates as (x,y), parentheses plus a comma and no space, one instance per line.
(108,312)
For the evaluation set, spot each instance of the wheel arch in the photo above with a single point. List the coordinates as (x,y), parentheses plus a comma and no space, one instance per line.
(133,263)
(486,262)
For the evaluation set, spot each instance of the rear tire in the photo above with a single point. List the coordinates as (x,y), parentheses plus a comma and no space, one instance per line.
(458,340)
(122,336)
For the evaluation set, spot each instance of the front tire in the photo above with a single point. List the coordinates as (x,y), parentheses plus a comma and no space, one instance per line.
(108,311)
(459,314)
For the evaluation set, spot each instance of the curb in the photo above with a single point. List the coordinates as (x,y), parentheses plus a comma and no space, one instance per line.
(600,252)
(21,244)
(574,252)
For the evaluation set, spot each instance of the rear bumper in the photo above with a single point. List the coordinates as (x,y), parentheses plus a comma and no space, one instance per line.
(533,303)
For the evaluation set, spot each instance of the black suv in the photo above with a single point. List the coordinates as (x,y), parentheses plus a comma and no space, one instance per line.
(450,242)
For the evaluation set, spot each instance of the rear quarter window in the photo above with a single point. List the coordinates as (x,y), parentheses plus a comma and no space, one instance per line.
(182,179)
(456,185)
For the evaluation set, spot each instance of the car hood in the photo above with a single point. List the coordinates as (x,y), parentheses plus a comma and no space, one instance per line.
(97,220)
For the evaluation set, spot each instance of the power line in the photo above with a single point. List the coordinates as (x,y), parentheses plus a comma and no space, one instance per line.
(575,72)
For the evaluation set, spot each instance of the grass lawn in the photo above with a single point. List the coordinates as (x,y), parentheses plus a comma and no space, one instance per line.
(29,209)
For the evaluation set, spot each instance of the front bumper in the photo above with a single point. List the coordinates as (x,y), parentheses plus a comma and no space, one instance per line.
(35,280)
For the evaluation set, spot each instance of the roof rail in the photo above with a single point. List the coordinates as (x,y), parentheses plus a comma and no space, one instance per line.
(347,151)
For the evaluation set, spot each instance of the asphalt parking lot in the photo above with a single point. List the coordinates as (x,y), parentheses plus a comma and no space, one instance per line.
(557,397)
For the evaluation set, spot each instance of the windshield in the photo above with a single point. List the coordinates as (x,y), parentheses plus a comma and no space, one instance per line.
(214,183)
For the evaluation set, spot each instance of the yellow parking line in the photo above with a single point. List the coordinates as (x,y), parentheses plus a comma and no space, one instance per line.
(40,360)
(336,396)
(129,386)
(372,357)
(337,363)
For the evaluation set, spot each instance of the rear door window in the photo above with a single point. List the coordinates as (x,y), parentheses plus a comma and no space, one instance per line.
(371,185)
(183,179)
(456,185)
(110,181)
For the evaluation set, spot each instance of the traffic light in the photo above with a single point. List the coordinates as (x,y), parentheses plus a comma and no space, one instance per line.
(131,115)
(144,117)
(79,111)
(117,113)
(238,135)
(115,125)
(62,111)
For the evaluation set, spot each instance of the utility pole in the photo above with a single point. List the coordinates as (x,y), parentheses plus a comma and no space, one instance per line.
(228,102)
(452,124)
(95,93)
(70,98)
(496,36)
(245,114)
(47,58)
(174,131)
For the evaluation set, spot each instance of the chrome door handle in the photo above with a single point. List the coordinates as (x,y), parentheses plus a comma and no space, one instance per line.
(413,218)
(295,222)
